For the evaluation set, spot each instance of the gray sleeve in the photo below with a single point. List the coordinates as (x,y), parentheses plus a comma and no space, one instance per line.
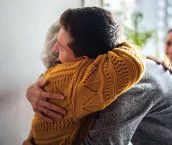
(117,123)
(149,100)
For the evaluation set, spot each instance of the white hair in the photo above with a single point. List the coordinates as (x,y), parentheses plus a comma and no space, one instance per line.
(49,58)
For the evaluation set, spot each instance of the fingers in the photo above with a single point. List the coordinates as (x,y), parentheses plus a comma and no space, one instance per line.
(41,116)
(51,95)
(51,106)
(37,98)
(42,83)
(34,92)
(170,69)
(165,65)
(154,59)
(50,113)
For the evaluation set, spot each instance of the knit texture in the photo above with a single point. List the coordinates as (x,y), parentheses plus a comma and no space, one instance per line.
(142,115)
(89,85)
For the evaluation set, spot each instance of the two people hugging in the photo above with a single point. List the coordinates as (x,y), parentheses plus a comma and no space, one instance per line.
(89,65)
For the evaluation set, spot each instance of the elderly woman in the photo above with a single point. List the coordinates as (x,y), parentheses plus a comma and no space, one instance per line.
(49,59)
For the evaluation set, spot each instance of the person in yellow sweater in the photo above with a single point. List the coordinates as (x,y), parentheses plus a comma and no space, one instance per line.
(96,68)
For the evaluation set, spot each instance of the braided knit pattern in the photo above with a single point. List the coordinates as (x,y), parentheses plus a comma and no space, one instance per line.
(89,85)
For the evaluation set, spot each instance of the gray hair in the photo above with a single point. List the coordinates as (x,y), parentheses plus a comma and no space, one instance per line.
(49,58)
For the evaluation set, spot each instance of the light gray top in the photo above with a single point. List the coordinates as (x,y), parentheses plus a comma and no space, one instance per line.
(143,115)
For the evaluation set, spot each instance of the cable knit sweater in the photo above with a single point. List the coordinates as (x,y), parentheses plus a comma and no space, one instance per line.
(89,85)
(142,115)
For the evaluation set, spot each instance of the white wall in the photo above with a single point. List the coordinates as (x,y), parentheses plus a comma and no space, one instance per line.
(90,3)
(23,24)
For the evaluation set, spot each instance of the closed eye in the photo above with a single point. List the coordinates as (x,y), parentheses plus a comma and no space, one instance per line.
(60,47)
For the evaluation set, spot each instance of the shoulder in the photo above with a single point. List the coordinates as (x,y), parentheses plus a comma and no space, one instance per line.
(158,78)
(155,86)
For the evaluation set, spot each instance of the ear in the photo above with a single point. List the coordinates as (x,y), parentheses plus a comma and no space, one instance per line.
(84,57)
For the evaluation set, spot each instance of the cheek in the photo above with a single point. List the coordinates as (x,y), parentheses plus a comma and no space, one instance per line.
(63,57)
(170,50)
(67,56)
(166,50)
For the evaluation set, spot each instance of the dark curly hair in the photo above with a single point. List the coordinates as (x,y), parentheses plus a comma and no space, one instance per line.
(93,30)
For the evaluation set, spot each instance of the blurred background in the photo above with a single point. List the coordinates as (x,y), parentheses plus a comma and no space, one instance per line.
(23,25)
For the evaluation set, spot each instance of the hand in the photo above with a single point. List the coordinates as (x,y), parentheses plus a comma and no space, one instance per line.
(36,96)
(166,66)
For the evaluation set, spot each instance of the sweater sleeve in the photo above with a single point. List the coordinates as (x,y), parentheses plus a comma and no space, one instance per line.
(119,120)
(107,77)
(142,115)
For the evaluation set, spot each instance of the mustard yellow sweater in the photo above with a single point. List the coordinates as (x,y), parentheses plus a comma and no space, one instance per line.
(89,85)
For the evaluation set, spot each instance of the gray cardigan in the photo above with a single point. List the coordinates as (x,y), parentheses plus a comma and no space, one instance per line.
(143,115)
